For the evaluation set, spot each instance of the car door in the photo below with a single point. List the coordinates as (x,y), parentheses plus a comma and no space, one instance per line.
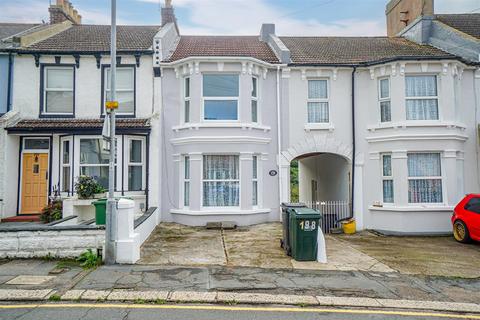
(472,218)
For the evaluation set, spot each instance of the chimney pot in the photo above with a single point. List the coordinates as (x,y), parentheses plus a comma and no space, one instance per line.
(62,11)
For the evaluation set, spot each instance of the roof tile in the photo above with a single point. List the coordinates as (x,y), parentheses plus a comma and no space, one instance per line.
(468,23)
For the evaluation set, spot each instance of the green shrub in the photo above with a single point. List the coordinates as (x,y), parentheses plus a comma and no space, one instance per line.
(86,187)
(89,260)
(52,212)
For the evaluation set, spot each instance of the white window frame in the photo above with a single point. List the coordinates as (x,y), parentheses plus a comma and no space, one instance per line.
(106,90)
(222,98)
(423,97)
(387,178)
(441,178)
(254,98)
(222,180)
(65,165)
(384,99)
(46,89)
(255,180)
(313,100)
(187,100)
(128,164)
(186,181)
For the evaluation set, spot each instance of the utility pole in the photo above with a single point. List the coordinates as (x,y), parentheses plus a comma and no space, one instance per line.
(111,105)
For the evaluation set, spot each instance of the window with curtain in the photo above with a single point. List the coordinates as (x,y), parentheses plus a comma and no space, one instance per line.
(387,178)
(220,96)
(94,160)
(255,182)
(221,181)
(421,97)
(186,181)
(66,167)
(254,100)
(424,178)
(135,165)
(317,103)
(58,90)
(186,100)
(384,98)
(125,89)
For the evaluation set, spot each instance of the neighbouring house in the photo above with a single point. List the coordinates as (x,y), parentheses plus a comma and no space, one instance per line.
(383,128)
(60,85)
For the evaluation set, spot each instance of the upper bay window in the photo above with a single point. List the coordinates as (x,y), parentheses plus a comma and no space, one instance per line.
(421,97)
(58,90)
(254,110)
(384,99)
(317,103)
(220,97)
(125,89)
(186,100)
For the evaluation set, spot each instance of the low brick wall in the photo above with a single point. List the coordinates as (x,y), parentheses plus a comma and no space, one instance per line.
(61,243)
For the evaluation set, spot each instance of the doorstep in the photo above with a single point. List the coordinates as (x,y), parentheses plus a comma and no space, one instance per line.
(23,218)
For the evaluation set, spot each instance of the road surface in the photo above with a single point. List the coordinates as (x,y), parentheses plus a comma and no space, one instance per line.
(110,311)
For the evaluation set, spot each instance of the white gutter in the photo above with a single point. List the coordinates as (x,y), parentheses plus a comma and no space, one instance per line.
(221,58)
(279,142)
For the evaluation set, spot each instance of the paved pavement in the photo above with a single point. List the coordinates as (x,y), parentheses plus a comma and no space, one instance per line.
(207,312)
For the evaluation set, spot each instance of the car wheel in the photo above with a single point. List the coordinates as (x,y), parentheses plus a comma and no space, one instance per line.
(460,232)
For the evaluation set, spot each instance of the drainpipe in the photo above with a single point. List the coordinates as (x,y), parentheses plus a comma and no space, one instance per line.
(353,139)
(9,84)
(279,143)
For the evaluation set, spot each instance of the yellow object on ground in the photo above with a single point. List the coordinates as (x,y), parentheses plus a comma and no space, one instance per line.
(349,226)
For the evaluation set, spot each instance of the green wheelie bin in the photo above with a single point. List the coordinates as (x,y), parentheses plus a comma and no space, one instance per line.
(304,227)
(100,211)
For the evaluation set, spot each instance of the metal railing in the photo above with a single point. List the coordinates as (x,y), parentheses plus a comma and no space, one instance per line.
(332,212)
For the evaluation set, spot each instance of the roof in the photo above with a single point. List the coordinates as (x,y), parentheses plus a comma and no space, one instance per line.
(96,38)
(78,125)
(468,23)
(223,46)
(8,30)
(356,50)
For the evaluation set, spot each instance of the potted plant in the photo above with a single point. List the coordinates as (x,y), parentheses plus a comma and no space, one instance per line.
(52,212)
(100,192)
(87,188)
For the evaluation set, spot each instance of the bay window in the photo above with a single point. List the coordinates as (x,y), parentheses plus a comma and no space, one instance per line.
(186,100)
(58,90)
(66,166)
(125,89)
(421,97)
(424,178)
(221,181)
(255,181)
(186,181)
(254,106)
(94,160)
(387,178)
(135,164)
(317,103)
(220,97)
(384,99)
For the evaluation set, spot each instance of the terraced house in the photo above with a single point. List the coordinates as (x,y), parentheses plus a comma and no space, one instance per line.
(382,128)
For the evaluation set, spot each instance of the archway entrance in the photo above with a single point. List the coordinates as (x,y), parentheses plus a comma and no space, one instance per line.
(323,181)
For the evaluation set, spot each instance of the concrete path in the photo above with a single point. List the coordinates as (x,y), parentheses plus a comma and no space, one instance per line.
(255,246)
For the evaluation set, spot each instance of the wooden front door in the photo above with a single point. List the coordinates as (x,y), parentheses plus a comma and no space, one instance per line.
(34,182)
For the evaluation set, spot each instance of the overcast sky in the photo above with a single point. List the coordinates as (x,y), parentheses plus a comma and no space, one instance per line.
(292,17)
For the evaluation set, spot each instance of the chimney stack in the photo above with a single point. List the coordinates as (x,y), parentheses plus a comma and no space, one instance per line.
(400,13)
(62,11)
(168,14)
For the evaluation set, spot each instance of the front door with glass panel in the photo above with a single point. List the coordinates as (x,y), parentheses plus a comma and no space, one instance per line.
(34,182)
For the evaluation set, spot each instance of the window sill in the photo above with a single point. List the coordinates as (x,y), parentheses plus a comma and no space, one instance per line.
(218,212)
(243,126)
(319,126)
(412,208)
(56,115)
(417,124)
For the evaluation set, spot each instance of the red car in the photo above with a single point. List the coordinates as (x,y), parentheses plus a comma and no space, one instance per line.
(466,219)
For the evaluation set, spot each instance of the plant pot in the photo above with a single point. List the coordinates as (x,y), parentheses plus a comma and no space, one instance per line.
(99,195)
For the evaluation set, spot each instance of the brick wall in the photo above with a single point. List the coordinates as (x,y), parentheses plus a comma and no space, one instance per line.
(400,13)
